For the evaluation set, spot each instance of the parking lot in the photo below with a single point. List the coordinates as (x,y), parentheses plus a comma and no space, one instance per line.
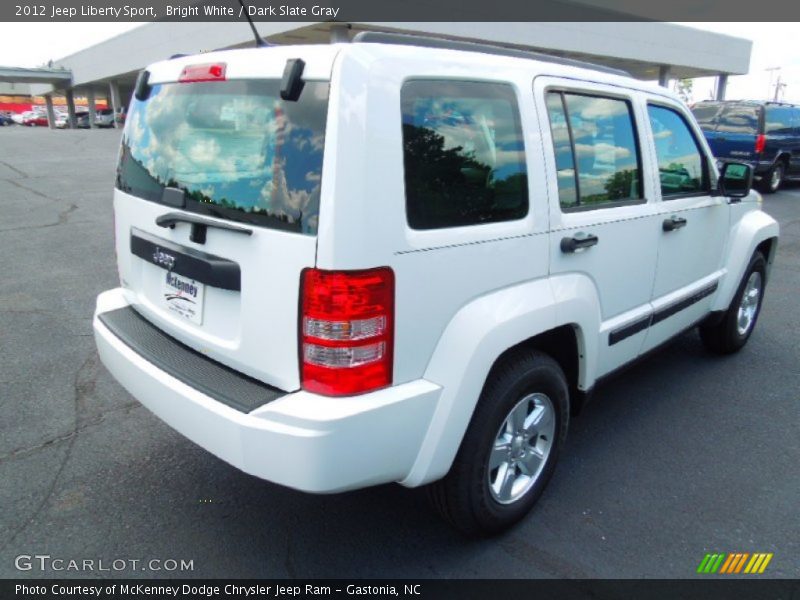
(681,455)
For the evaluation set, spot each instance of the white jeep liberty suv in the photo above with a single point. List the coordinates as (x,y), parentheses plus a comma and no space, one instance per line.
(410,260)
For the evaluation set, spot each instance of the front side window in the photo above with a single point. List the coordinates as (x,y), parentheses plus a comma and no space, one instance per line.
(602,166)
(235,148)
(681,166)
(463,154)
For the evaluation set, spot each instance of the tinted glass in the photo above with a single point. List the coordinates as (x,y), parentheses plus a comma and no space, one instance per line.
(565,164)
(235,148)
(778,120)
(463,153)
(605,149)
(680,162)
(738,118)
(705,114)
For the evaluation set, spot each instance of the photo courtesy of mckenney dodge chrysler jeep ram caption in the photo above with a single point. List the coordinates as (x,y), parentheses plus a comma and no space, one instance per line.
(409,260)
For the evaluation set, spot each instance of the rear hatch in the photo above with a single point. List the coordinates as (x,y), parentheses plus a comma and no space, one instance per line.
(217,202)
(731,129)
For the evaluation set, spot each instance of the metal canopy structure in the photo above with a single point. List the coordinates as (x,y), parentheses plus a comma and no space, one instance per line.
(56,77)
(647,50)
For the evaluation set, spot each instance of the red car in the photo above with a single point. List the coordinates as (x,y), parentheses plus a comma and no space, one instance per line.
(35,120)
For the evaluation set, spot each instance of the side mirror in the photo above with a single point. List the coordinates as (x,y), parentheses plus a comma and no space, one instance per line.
(735,180)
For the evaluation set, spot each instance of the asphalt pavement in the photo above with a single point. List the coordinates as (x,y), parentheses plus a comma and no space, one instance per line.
(684,454)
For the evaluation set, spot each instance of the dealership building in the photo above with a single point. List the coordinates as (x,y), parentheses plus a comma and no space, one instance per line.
(647,50)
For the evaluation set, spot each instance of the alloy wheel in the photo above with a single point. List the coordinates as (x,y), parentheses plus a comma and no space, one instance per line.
(521,448)
(748,306)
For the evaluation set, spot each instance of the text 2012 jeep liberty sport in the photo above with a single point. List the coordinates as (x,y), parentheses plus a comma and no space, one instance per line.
(410,260)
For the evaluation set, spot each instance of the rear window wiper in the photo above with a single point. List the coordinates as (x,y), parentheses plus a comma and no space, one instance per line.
(199,225)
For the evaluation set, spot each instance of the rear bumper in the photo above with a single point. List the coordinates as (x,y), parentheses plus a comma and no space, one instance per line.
(301,440)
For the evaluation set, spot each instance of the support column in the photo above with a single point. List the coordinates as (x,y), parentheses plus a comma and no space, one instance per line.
(663,75)
(113,88)
(70,96)
(339,33)
(51,113)
(90,101)
(722,85)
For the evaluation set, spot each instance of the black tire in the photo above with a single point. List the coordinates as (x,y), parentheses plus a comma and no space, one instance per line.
(726,336)
(464,497)
(773,179)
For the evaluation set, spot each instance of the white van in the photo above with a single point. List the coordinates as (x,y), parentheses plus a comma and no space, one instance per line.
(409,260)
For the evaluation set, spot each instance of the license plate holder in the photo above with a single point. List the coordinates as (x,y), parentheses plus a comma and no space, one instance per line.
(183,296)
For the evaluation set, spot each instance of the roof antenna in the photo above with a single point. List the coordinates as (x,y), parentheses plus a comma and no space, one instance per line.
(260,43)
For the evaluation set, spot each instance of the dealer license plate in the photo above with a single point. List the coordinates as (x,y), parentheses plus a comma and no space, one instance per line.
(183,296)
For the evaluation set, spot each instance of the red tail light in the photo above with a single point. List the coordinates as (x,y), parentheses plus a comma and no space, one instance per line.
(346,330)
(761,141)
(207,72)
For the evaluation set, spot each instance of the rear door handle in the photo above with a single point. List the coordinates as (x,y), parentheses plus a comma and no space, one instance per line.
(673,223)
(578,242)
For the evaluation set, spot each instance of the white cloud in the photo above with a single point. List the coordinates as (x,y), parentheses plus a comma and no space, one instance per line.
(278,198)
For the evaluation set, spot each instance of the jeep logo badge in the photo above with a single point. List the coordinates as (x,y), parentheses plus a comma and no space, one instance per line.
(162,258)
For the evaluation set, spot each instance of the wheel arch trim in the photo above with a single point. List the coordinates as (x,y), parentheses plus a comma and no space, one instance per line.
(478,335)
(752,230)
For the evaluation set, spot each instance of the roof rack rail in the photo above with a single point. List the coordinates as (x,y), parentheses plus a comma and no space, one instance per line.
(751,102)
(404,39)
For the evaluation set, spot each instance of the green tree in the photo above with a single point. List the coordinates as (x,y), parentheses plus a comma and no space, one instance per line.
(683,87)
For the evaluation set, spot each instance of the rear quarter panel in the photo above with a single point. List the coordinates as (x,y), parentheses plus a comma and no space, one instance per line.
(362,218)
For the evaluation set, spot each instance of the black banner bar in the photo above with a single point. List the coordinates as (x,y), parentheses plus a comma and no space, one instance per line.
(626,589)
(399,11)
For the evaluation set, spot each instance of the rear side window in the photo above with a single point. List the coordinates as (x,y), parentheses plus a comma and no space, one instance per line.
(235,148)
(601,167)
(681,166)
(779,120)
(463,154)
(562,145)
(705,114)
(738,118)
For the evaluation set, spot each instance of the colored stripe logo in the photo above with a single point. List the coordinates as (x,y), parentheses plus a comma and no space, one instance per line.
(734,562)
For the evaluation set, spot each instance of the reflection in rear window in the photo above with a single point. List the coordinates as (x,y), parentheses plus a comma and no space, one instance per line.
(705,113)
(464,154)
(781,119)
(738,119)
(236,149)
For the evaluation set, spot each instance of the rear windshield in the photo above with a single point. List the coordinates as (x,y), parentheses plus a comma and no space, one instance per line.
(236,149)
(781,120)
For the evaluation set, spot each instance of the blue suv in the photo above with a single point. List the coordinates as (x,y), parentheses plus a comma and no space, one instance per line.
(763,134)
